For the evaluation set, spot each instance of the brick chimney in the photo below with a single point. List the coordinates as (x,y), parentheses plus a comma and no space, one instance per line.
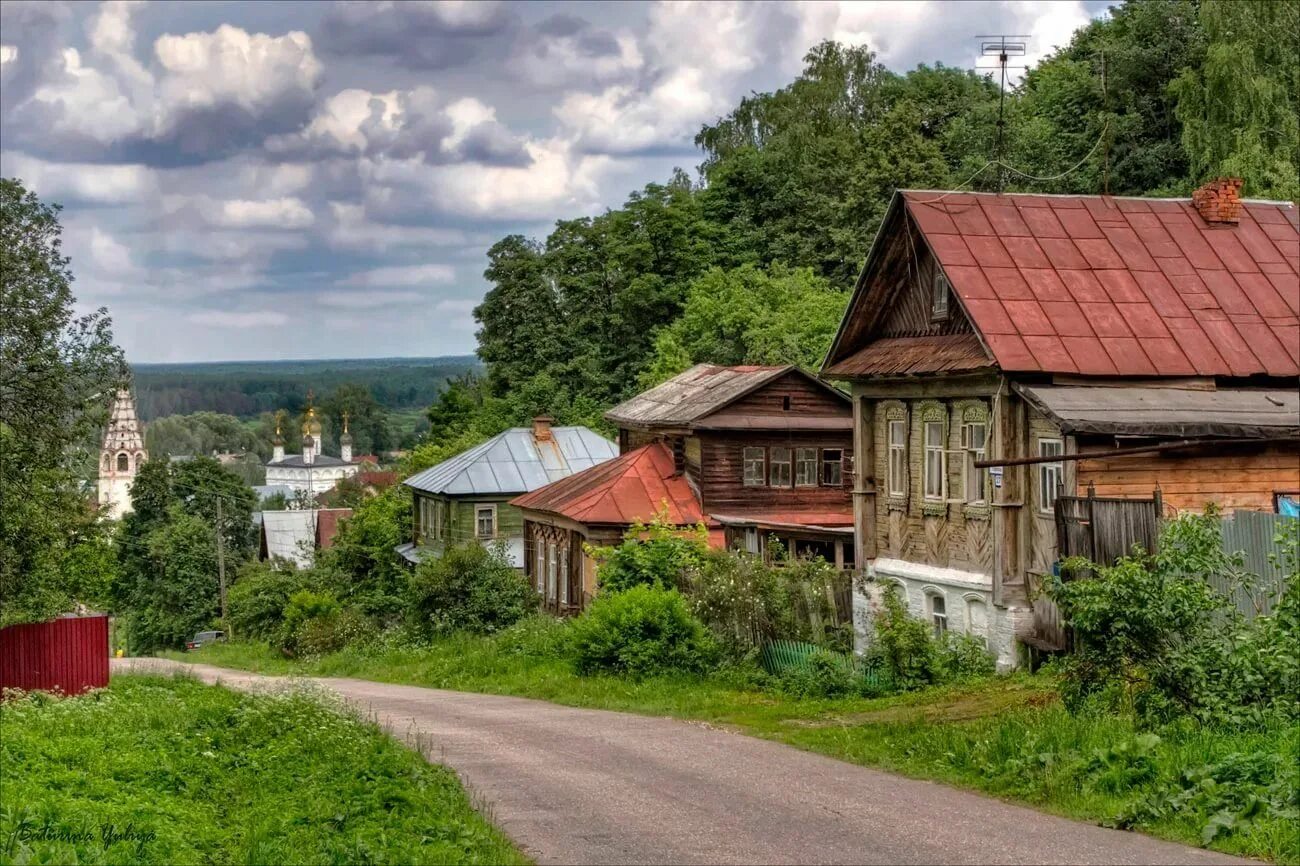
(542,428)
(1219,200)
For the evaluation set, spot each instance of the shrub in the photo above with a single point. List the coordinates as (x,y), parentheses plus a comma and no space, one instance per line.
(641,631)
(904,644)
(964,656)
(331,632)
(470,587)
(825,674)
(657,554)
(538,636)
(259,596)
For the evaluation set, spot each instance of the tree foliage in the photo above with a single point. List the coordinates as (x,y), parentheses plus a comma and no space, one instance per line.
(58,373)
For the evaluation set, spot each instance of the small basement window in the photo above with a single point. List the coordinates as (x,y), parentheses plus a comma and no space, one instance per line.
(938,615)
(940,290)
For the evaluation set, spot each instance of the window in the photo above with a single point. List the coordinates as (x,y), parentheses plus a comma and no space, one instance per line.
(485,521)
(564,575)
(780,466)
(977,619)
(755,467)
(938,615)
(939,290)
(974,439)
(935,475)
(439,514)
(539,564)
(832,467)
(785,403)
(123,463)
(897,458)
(552,567)
(805,467)
(1050,475)
(107,463)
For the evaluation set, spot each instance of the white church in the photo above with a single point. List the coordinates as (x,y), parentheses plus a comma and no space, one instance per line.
(311,471)
(121,456)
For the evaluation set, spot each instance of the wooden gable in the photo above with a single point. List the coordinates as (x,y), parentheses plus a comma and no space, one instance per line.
(794,392)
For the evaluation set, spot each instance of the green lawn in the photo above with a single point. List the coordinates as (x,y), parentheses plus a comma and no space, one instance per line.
(1237,791)
(167,770)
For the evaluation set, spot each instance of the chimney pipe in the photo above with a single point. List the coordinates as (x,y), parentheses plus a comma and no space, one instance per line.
(542,428)
(1219,200)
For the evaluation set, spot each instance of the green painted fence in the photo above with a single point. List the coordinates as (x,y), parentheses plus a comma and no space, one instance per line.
(784,656)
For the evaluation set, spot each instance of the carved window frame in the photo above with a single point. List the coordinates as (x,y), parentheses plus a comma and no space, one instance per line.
(975,412)
(897,411)
(929,412)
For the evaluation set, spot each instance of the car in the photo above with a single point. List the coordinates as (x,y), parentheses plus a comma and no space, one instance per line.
(204,638)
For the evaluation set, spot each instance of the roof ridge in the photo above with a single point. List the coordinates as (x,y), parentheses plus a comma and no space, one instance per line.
(1186,198)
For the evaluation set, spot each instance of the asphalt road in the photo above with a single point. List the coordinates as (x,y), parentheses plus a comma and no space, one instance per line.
(588,786)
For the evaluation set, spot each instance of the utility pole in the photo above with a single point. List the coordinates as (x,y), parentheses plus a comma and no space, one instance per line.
(221,566)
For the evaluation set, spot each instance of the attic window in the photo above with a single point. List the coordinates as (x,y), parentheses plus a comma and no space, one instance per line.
(939,296)
(785,403)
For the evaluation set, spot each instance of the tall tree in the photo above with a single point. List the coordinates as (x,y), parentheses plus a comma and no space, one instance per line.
(58,373)
(1240,109)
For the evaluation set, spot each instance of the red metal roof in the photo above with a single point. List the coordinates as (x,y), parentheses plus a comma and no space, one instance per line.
(1106,286)
(327,525)
(633,486)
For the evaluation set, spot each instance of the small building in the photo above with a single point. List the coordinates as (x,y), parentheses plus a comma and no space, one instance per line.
(750,452)
(1005,350)
(311,472)
(296,535)
(121,455)
(467,497)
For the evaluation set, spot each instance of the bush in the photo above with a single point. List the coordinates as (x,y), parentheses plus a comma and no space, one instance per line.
(825,674)
(331,632)
(641,631)
(470,587)
(538,636)
(258,598)
(904,644)
(1154,637)
(657,554)
(964,656)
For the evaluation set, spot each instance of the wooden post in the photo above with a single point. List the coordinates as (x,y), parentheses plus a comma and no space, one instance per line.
(1009,499)
(864,481)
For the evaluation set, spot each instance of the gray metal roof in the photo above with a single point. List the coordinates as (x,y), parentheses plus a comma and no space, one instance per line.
(703,389)
(1174,412)
(318,460)
(514,462)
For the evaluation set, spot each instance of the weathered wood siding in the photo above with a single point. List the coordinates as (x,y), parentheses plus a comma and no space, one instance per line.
(458,523)
(910,310)
(805,398)
(722,473)
(1230,477)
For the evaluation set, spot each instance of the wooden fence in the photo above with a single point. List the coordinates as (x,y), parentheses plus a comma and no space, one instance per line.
(1258,537)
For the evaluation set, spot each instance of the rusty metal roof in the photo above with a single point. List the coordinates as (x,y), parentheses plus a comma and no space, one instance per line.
(1105,286)
(515,461)
(700,391)
(634,486)
(902,356)
(822,521)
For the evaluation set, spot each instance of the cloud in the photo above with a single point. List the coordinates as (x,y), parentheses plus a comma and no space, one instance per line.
(231,319)
(368,300)
(82,183)
(415,123)
(567,50)
(203,95)
(404,275)
(354,229)
(417,35)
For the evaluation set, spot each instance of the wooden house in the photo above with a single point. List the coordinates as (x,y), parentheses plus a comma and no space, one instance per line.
(1004,350)
(750,452)
(467,497)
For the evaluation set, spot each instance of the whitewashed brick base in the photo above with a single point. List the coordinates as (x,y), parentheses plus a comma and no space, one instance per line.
(968,600)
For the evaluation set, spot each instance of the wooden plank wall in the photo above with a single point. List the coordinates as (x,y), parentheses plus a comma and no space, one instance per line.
(806,399)
(722,474)
(1229,477)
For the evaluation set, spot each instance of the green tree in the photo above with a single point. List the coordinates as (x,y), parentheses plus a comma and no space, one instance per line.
(361,568)
(58,372)
(367,420)
(1240,108)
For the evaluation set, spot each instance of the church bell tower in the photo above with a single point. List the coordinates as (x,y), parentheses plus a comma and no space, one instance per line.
(120,457)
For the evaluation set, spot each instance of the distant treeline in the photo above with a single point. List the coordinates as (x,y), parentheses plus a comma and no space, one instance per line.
(247,389)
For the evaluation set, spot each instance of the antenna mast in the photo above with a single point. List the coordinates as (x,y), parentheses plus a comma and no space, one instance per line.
(1003,47)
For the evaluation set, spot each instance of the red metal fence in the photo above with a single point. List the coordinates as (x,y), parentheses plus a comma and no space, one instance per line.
(68,654)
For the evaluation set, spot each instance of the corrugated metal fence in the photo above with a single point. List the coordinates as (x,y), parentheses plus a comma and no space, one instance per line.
(1256,535)
(69,654)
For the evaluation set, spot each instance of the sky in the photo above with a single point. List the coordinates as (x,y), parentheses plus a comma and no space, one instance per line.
(272,180)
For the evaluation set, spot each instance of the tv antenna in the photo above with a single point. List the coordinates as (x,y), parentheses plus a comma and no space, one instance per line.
(1002,47)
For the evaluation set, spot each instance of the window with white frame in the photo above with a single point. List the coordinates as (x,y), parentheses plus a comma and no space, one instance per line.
(939,299)
(974,439)
(805,467)
(564,575)
(938,614)
(552,569)
(780,466)
(539,564)
(1050,475)
(485,521)
(934,475)
(977,619)
(755,467)
(832,467)
(897,458)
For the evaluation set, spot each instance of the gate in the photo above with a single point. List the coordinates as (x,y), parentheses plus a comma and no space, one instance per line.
(1100,529)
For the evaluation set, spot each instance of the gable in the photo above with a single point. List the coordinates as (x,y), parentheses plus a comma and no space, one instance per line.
(794,392)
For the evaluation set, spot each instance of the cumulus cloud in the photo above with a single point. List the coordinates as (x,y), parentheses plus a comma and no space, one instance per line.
(420,35)
(82,183)
(201,96)
(567,50)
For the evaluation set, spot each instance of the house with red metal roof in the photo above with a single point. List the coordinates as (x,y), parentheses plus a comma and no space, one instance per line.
(749,452)
(1007,349)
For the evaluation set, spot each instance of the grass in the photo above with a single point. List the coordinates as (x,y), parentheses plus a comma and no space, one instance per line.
(1236,791)
(167,770)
